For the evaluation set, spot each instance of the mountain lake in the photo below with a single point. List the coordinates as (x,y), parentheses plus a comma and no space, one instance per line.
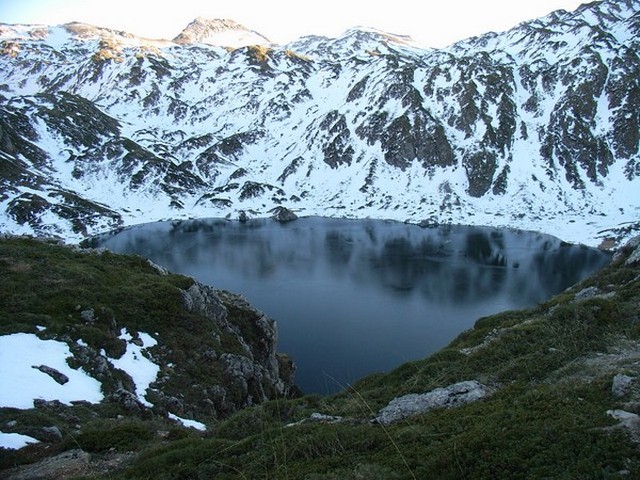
(354,297)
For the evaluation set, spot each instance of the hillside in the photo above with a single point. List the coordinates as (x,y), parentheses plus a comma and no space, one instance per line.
(534,128)
(556,388)
(95,332)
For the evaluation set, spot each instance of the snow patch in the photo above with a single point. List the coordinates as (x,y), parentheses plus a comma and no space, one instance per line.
(15,441)
(188,423)
(22,384)
(135,363)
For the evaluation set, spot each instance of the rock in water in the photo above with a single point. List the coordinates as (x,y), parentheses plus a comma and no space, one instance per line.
(283,215)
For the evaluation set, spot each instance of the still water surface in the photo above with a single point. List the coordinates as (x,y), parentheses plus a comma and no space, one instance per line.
(353,297)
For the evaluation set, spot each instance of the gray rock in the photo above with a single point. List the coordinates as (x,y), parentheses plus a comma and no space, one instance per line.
(621,385)
(69,464)
(414,404)
(318,418)
(91,361)
(158,268)
(632,246)
(628,421)
(283,215)
(202,299)
(52,432)
(88,316)
(592,292)
(47,404)
(254,373)
(59,377)
(431,222)
(323,418)
(634,258)
(587,293)
(633,242)
(128,400)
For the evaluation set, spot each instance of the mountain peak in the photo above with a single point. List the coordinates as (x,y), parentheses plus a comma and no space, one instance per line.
(220,31)
(387,36)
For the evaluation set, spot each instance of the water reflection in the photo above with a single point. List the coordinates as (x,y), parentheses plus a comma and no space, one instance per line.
(354,297)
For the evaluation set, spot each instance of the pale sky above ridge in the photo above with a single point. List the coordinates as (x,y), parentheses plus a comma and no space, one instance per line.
(432,23)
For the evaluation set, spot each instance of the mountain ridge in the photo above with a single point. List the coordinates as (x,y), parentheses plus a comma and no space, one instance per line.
(519,129)
(220,32)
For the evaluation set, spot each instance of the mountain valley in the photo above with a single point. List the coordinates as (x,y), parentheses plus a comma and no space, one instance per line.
(114,367)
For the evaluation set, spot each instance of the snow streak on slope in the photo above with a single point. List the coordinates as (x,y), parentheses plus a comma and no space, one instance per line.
(141,370)
(535,128)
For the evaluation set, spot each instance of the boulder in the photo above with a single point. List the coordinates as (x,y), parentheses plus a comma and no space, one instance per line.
(414,404)
(621,385)
(283,215)
(58,376)
(52,432)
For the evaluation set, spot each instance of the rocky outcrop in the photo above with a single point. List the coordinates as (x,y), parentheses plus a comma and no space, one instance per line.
(252,375)
(634,258)
(74,463)
(188,350)
(414,404)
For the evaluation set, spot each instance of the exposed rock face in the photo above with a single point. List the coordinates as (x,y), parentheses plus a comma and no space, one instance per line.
(253,375)
(634,258)
(418,403)
(71,464)
(627,421)
(202,353)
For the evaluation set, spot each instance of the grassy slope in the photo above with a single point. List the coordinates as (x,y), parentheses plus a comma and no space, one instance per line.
(551,366)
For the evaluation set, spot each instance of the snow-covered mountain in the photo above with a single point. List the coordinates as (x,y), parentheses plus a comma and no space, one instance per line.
(220,32)
(537,127)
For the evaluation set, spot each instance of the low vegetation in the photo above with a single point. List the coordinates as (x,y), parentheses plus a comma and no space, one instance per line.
(551,369)
(259,54)
(108,49)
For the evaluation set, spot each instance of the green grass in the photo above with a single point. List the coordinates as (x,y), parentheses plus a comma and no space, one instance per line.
(107,436)
(520,433)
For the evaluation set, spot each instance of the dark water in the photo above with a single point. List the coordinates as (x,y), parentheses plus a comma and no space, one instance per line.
(353,297)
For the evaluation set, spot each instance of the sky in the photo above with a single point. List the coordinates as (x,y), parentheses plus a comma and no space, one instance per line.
(432,23)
